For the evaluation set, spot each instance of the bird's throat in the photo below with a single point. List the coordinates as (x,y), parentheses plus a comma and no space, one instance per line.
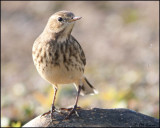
(63,35)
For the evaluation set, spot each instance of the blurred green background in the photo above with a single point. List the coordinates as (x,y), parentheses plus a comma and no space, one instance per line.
(121,43)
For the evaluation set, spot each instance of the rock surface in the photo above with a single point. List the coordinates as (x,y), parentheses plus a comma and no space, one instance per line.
(96,117)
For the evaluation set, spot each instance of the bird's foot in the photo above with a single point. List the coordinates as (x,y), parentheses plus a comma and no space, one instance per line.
(72,110)
(68,109)
(53,109)
(46,113)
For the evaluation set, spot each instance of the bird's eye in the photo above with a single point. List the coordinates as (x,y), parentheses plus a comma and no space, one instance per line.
(60,19)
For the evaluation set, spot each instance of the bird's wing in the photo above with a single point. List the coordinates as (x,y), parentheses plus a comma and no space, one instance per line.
(82,55)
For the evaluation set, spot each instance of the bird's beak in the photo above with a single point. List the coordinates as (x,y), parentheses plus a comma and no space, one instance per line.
(75,18)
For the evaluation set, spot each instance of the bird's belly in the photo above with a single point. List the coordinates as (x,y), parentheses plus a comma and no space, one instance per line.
(60,75)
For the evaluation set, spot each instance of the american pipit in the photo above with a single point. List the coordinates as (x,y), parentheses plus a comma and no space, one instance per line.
(58,56)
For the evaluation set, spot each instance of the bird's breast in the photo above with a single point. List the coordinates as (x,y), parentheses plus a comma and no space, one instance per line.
(58,62)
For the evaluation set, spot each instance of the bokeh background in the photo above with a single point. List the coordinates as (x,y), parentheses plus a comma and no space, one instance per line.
(121,43)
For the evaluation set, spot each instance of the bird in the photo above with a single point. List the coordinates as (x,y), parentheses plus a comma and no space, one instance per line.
(59,58)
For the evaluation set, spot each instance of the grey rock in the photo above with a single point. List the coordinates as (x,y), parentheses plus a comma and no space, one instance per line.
(96,117)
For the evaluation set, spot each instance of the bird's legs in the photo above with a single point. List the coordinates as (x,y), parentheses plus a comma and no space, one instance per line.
(72,109)
(75,106)
(54,98)
(53,107)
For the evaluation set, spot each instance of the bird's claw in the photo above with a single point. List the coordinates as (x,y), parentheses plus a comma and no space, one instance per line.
(69,109)
(73,110)
(51,112)
(46,113)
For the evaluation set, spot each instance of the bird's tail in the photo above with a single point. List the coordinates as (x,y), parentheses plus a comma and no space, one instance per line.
(87,88)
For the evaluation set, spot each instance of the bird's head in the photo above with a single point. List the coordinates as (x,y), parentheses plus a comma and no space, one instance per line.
(61,22)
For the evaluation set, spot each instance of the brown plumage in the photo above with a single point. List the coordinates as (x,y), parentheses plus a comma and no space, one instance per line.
(58,56)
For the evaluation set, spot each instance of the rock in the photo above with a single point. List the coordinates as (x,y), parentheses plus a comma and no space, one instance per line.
(96,117)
